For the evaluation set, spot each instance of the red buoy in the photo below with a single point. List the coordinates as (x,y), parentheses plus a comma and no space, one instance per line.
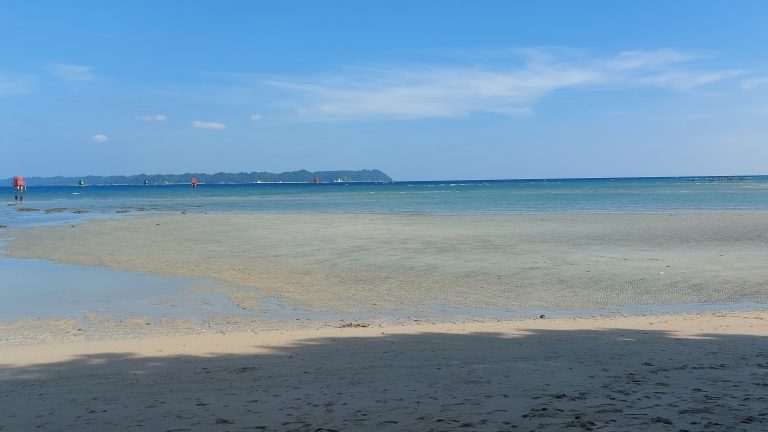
(18,188)
(194,182)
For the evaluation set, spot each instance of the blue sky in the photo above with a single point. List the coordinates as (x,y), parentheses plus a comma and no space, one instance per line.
(421,90)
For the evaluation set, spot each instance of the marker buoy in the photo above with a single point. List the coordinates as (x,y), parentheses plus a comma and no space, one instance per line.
(18,188)
(194,182)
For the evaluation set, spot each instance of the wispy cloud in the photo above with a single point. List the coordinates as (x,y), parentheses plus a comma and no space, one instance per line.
(159,118)
(256,118)
(72,72)
(685,81)
(751,83)
(99,138)
(208,125)
(428,91)
(11,83)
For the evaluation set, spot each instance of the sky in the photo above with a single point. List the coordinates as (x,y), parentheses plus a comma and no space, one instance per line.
(419,89)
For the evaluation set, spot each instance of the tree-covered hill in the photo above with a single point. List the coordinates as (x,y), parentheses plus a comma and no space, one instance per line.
(302,176)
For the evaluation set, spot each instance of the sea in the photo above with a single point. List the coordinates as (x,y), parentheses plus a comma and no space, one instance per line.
(34,289)
(56,204)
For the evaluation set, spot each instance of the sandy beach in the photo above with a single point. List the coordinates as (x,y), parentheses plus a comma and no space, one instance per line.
(600,371)
(662,373)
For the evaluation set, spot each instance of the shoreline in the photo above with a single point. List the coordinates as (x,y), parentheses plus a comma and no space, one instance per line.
(236,272)
(354,245)
(658,372)
(95,327)
(689,325)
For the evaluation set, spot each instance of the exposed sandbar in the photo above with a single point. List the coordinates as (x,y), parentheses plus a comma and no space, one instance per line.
(413,262)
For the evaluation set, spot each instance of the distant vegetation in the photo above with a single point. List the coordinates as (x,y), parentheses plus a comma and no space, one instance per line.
(302,176)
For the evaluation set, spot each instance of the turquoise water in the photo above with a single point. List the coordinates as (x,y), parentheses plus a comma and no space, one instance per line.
(627,195)
(57,290)
(35,289)
(40,289)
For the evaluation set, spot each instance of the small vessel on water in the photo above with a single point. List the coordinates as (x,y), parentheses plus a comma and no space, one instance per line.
(315,180)
(81,184)
(194,182)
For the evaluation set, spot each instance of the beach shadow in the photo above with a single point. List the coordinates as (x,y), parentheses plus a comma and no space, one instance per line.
(542,380)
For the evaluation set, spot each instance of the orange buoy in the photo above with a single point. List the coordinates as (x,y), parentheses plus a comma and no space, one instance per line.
(18,188)
(194,182)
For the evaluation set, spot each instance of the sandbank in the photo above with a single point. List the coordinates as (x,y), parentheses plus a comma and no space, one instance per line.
(357,262)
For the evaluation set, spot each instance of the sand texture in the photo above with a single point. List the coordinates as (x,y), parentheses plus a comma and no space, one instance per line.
(349,262)
(664,373)
(684,372)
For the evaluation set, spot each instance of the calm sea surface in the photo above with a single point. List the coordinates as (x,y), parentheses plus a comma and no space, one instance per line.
(628,195)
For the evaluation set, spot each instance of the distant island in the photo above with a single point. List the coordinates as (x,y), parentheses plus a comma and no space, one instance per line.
(302,176)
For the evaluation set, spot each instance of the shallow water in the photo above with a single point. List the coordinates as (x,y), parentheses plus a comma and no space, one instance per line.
(34,288)
(38,289)
(631,195)
(41,289)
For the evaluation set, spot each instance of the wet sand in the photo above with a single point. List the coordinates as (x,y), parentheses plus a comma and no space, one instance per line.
(664,373)
(348,262)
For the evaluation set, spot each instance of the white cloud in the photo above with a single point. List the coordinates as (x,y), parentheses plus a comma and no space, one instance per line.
(683,81)
(160,118)
(628,60)
(71,72)
(14,84)
(256,118)
(208,125)
(751,83)
(99,138)
(418,91)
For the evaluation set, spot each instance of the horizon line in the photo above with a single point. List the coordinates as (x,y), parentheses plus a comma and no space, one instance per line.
(407,181)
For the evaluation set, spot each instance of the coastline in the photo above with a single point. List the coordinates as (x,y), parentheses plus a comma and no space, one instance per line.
(679,325)
(405,366)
